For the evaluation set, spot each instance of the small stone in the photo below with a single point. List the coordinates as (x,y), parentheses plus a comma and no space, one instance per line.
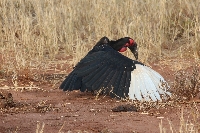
(125,108)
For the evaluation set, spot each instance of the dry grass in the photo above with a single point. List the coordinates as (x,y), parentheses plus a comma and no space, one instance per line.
(40,127)
(34,32)
(187,85)
(189,121)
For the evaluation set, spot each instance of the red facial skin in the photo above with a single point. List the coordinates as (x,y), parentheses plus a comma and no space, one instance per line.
(124,48)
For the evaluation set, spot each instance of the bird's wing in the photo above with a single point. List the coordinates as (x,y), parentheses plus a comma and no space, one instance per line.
(102,68)
(147,85)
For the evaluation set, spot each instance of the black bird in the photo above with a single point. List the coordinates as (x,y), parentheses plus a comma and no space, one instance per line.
(106,70)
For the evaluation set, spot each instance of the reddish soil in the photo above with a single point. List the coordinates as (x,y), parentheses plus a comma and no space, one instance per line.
(76,112)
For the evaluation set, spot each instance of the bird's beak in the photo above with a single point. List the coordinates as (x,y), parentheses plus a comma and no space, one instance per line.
(134,50)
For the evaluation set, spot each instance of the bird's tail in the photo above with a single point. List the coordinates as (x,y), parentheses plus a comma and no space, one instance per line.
(147,85)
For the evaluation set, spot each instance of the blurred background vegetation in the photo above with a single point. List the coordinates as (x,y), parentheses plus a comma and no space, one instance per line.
(34,33)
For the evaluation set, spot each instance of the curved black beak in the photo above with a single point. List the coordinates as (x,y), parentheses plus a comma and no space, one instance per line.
(133,49)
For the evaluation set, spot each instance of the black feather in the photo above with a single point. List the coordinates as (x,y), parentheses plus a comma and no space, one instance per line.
(97,76)
(112,83)
(99,83)
(121,87)
(127,83)
(86,79)
(73,82)
(67,82)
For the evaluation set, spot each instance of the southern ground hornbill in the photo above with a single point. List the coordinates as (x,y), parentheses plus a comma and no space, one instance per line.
(107,71)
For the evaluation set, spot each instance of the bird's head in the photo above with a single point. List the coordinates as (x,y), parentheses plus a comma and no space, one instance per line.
(122,44)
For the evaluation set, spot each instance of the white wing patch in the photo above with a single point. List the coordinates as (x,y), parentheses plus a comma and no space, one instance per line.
(146,85)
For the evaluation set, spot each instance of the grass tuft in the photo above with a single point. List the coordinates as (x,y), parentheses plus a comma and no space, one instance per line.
(187,85)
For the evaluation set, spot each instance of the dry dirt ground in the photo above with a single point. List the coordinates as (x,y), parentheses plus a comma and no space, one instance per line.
(48,109)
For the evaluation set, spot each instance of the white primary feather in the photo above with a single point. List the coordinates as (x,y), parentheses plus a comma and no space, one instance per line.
(146,85)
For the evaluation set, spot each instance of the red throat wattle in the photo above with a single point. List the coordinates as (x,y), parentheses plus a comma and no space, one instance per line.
(124,48)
